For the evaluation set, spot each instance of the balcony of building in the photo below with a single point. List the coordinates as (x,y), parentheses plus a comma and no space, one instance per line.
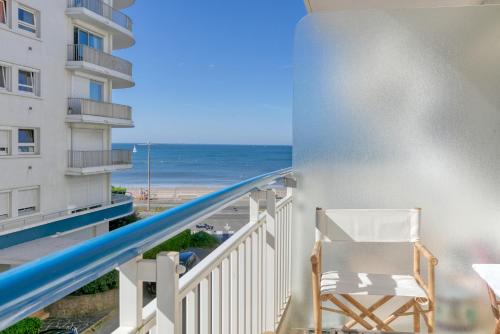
(96,62)
(23,239)
(100,14)
(245,282)
(97,162)
(96,112)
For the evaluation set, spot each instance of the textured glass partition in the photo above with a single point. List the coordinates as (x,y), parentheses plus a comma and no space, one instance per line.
(401,109)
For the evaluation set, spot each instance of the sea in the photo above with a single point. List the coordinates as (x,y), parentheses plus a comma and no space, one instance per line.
(186,165)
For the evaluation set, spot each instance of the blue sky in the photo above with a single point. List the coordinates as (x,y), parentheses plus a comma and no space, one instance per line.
(211,72)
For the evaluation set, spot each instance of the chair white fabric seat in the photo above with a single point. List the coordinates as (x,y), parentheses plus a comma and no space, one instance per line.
(336,282)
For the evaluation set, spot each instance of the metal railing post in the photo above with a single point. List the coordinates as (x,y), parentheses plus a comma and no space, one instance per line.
(168,319)
(130,314)
(270,251)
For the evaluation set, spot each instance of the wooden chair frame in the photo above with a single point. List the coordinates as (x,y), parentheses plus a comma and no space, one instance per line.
(421,307)
(495,308)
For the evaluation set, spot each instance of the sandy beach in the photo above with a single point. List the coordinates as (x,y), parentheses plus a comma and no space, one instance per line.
(174,194)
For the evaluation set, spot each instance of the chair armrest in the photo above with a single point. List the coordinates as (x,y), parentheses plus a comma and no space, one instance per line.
(426,253)
(316,253)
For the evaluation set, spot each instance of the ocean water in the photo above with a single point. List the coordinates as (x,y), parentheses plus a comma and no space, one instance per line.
(176,165)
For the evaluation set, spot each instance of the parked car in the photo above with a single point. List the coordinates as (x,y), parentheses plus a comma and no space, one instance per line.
(186,259)
(205,226)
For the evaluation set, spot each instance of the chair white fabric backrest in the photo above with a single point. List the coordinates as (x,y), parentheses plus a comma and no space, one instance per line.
(368,225)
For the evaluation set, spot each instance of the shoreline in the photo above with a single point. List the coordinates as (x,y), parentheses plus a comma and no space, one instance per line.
(178,193)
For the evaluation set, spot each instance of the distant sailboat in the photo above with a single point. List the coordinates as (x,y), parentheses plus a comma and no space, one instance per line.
(134,150)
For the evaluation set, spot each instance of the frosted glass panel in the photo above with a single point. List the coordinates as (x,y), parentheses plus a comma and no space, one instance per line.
(399,109)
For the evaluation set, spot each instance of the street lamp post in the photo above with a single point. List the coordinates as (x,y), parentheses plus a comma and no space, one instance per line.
(149,176)
(148,144)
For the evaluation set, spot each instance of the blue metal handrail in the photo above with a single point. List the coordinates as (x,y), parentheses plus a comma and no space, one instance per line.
(32,286)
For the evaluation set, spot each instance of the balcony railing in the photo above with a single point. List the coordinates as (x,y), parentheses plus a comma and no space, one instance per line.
(100,8)
(87,159)
(20,223)
(244,283)
(79,52)
(77,106)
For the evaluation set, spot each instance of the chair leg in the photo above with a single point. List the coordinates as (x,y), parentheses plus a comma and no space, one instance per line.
(317,314)
(497,327)
(416,318)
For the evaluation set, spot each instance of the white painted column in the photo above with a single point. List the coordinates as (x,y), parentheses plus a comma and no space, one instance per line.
(168,318)
(130,294)
(270,251)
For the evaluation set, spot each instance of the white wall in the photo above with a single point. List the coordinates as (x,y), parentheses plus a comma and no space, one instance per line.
(400,109)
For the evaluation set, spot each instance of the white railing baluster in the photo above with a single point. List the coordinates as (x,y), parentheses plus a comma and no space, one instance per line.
(241,288)
(248,284)
(206,305)
(216,300)
(192,315)
(225,297)
(270,278)
(254,306)
(234,291)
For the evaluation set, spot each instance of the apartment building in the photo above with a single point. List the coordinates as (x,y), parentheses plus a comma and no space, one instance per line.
(57,76)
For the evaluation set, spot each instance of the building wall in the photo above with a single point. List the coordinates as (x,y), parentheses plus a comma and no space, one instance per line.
(46,111)
(400,109)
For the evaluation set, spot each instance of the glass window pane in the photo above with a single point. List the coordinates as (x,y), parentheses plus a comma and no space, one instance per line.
(3,75)
(96,91)
(27,149)
(25,16)
(83,37)
(26,136)
(95,42)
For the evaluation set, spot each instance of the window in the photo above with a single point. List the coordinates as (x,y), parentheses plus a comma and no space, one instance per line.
(26,81)
(26,20)
(3,77)
(4,205)
(4,142)
(27,141)
(27,201)
(3,11)
(96,91)
(83,37)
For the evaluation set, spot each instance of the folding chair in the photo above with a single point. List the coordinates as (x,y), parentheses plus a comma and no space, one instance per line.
(342,288)
(490,273)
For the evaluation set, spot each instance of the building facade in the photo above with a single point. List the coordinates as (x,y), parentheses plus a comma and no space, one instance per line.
(57,75)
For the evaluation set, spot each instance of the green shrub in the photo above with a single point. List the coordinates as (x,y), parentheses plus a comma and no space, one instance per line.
(26,326)
(102,284)
(203,240)
(118,190)
(183,241)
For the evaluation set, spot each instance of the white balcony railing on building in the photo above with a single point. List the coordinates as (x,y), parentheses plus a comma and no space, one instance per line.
(80,52)
(87,159)
(244,283)
(242,287)
(100,8)
(78,106)
(14,224)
